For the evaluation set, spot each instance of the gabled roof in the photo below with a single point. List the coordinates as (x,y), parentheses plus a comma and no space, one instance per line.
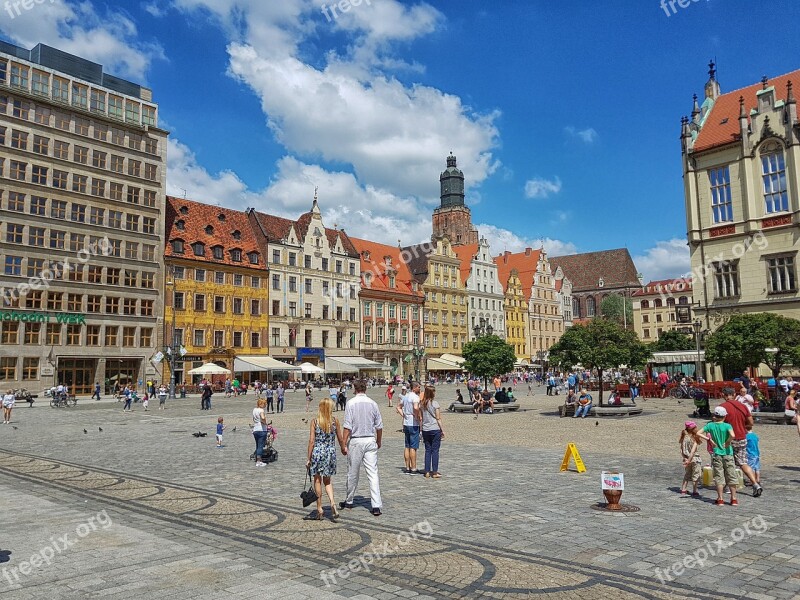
(615,267)
(418,261)
(376,265)
(525,263)
(212,226)
(277,229)
(721,125)
(679,286)
(465,254)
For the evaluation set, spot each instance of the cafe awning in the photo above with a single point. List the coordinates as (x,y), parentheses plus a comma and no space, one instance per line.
(686,356)
(439,364)
(247,364)
(352,364)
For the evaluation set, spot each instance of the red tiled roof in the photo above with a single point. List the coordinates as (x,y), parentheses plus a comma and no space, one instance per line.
(655,288)
(277,228)
(465,254)
(615,267)
(196,217)
(525,263)
(376,265)
(721,126)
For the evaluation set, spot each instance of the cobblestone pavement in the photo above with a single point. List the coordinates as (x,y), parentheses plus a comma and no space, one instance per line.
(181,519)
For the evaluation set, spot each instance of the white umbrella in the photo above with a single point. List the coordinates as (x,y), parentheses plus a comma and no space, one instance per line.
(307,367)
(210,369)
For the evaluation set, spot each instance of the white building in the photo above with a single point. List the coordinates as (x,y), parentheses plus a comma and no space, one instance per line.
(484,290)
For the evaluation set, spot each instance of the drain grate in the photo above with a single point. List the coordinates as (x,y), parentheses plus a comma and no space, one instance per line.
(623,508)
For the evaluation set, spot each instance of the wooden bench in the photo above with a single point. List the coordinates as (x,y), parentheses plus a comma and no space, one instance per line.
(510,407)
(777,418)
(602,411)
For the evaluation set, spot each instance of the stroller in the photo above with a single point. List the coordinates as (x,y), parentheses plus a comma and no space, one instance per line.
(270,454)
(702,408)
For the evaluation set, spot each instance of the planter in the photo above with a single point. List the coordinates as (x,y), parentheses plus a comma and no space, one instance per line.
(612,499)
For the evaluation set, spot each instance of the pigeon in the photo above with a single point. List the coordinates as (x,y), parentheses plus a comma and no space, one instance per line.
(199,434)
(14,427)
(596,423)
(84,431)
(100,429)
(233,430)
(304,420)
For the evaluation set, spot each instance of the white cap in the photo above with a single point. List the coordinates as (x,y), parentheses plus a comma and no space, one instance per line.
(720,412)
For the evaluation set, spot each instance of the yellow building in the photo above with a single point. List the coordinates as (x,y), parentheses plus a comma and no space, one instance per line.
(662,306)
(217,283)
(438,269)
(516,313)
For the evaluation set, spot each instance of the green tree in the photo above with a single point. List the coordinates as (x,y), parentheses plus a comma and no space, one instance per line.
(673,341)
(747,340)
(612,307)
(488,356)
(600,345)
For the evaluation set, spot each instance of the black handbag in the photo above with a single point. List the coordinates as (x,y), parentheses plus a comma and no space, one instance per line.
(308,496)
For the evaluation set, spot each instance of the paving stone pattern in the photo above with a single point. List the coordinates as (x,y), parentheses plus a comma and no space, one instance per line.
(191,521)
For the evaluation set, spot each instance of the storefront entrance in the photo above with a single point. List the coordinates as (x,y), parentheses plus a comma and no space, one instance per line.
(77,374)
(121,371)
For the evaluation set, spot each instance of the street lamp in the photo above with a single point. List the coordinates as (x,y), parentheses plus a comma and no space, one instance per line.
(697,326)
(541,354)
(173,351)
(483,329)
(417,353)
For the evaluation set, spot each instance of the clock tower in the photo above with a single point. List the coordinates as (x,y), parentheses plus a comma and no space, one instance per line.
(452,218)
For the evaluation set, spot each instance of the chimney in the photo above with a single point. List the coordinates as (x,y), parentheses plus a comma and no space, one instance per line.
(791,104)
(528,251)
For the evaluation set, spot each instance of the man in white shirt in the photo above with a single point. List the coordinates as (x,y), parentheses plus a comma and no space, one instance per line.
(408,408)
(363,429)
(745,398)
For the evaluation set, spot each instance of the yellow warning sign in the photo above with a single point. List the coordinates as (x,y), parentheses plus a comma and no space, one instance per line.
(572,452)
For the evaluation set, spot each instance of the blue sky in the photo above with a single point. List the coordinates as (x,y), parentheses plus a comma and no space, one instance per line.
(564,115)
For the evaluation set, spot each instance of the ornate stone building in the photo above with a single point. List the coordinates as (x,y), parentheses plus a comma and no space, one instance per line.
(741,165)
(452,218)
(313,287)
(484,291)
(662,306)
(83,167)
(516,313)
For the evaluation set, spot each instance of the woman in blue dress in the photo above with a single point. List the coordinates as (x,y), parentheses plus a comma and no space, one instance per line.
(325,432)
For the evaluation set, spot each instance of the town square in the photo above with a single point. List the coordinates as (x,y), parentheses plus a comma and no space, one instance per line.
(398,299)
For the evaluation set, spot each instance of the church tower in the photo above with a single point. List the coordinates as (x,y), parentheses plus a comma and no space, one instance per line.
(452,218)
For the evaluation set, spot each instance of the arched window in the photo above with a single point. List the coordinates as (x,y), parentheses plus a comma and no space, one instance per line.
(657,303)
(590,307)
(670,301)
(683,300)
(645,304)
(576,308)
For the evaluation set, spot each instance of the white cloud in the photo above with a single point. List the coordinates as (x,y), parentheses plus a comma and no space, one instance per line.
(503,239)
(587,136)
(110,38)
(666,260)
(539,187)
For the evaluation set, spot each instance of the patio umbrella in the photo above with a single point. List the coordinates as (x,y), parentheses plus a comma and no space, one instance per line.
(210,369)
(307,367)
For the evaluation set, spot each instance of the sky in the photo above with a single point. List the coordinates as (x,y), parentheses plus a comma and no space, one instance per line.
(564,116)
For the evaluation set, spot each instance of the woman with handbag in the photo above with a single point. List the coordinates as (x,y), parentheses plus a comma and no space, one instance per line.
(432,432)
(321,463)
(260,430)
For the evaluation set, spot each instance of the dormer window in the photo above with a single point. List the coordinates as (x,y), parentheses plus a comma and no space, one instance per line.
(209,230)
(237,235)
(177,246)
(221,218)
(387,260)
(368,279)
(236,255)
(253,257)
(184,210)
(180,225)
(414,286)
(366,254)
(218,252)
(391,281)
(199,248)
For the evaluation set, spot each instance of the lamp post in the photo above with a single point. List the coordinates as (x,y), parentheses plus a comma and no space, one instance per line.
(417,353)
(173,351)
(541,355)
(697,326)
(483,329)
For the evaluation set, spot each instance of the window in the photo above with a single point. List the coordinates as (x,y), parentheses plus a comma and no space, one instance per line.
(134,168)
(238,280)
(79,183)
(8,368)
(132,250)
(199,337)
(63,121)
(276,307)
(38,205)
(78,213)
(131,222)
(255,282)
(112,305)
(80,154)
(219,304)
(773,172)
(379,310)
(276,257)
(76,242)
(308,310)
(18,170)
(179,300)
(146,308)
(117,163)
(33,299)
(276,336)
(726,279)
(236,255)
(60,89)
(151,145)
(21,110)
(146,337)
(255,307)
(200,302)
(135,140)
(276,282)
(339,339)
(53,334)
(132,112)
(324,264)
(57,239)
(177,246)
(19,139)
(97,102)
(128,337)
(148,115)
(199,249)
(219,339)
(292,309)
(255,340)
(134,194)
(98,187)
(115,108)
(217,252)
(219,278)
(93,304)
(308,286)
(367,309)
(41,83)
(352,314)
(100,132)
(112,276)
(128,306)
(39,175)
(61,150)
(307,261)
(81,126)
(93,335)
(14,233)
(781,274)
(590,307)
(36,236)
(292,259)
(238,306)
(73,335)
(392,311)
(59,179)
(19,76)
(42,115)
(99,159)
(237,339)
(324,339)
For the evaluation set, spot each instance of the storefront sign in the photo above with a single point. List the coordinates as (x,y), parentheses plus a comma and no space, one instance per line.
(47,371)
(42,317)
(188,358)
(304,353)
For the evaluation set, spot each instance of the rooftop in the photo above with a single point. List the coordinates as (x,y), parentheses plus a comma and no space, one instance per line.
(614,267)
(374,262)
(525,263)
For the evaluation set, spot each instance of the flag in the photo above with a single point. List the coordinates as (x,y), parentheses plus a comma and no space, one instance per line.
(158,357)
(182,351)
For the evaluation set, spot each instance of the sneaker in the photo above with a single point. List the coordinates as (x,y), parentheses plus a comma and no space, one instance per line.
(696,495)
(719,502)
(345,505)
(376,512)
(684,493)
(261,464)
(734,502)
(757,491)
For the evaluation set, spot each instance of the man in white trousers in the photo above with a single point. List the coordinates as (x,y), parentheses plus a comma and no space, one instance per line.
(363,428)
